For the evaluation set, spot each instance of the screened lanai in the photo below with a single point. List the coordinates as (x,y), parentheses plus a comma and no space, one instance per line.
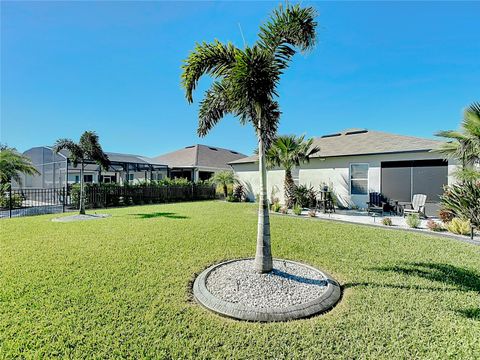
(56,170)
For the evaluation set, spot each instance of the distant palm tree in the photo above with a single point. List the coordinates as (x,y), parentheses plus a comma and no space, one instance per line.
(88,148)
(13,165)
(464,144)
(289,151)
(245,86)
(224,178)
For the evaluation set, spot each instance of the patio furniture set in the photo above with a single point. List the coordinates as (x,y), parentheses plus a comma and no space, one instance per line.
(379,204)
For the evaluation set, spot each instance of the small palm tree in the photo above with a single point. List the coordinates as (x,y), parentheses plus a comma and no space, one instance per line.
(289,151)
(13,165)
(88,148)
(464,144)
(224,178)
(245,85)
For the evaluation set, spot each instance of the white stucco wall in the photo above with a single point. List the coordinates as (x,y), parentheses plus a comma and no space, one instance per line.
(248,175)
(333,171)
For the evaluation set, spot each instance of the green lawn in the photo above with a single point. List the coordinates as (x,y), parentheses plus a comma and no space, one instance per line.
(119,287)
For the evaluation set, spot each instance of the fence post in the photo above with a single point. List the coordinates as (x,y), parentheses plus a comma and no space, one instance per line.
(64,199)
(10,201)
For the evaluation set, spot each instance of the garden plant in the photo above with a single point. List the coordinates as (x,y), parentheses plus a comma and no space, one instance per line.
(246,86)
(87,149)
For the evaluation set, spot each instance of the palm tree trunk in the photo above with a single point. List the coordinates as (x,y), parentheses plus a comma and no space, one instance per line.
(82,199)
(225,191)
(263,257)
(289,189)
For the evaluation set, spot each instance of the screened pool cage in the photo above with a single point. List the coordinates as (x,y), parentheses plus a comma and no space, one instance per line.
(56,170)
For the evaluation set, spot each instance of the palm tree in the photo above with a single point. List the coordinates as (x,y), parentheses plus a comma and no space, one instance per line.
(88,148)
(288,151)
(245,85)
(224,178)
(464,144)
(13,165)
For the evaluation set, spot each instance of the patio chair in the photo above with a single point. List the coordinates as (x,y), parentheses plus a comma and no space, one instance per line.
(378,204)
(417,206)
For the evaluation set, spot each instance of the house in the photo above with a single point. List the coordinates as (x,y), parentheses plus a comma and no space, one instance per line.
(57,169)
(198,162)
(355,162)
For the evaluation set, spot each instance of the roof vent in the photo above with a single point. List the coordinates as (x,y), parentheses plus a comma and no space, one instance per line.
(331,135)
(214,149)
(363,131)
(189,147)
(234,152)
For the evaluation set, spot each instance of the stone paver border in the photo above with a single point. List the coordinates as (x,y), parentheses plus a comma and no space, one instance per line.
(78,217)
(324,302)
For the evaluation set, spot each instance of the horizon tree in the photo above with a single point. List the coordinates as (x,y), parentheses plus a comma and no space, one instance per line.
(13,165)
(245,85)
(464,144)
(224,178)
(88,148)
(289,151)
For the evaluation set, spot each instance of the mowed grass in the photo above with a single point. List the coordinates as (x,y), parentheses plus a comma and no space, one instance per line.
(119,287)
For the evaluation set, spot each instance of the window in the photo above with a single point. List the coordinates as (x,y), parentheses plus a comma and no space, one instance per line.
(358,179)
(77,179)
(130,177)
(88,178)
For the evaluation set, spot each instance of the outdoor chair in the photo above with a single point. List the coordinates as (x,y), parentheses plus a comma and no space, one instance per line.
(325,202)
(417,206)
(378,204)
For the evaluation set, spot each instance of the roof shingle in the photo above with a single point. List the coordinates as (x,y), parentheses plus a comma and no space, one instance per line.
(363,142)
(200,156)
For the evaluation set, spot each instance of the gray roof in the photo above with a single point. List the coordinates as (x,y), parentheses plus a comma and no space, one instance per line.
(351,142)
(123,158)
(200,156)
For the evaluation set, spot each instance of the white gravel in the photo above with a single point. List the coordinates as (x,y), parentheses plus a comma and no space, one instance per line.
(79,217)
(288,284)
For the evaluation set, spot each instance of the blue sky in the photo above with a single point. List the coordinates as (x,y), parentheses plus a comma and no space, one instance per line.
(114,67)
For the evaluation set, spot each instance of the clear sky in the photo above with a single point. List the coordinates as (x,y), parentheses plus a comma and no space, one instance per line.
(114,67)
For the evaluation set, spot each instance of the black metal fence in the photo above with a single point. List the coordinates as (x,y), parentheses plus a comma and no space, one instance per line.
(25,202)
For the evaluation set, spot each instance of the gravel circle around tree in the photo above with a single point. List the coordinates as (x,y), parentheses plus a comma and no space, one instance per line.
(81,217)
(291,290)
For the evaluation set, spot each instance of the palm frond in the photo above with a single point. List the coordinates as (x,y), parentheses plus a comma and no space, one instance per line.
(76,152)
(214,59)
(214,106)
(13,164)
(471,121)
(90,144)
(289,27)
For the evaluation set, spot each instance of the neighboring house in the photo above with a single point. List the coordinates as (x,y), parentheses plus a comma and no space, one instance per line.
(56,169)
(355,162)
(198,162)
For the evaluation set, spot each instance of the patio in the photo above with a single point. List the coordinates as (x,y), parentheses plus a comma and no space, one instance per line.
(398,222)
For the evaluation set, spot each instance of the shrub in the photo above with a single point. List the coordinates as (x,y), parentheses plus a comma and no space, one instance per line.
(445,215)
(75,194)
(434,226)
(231,198)
(312,198)
(297,209)
(305,197)
(459,226)
(17,201)
(239,192)
(413,221)
(276,207)
(387,221)
(463,201)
